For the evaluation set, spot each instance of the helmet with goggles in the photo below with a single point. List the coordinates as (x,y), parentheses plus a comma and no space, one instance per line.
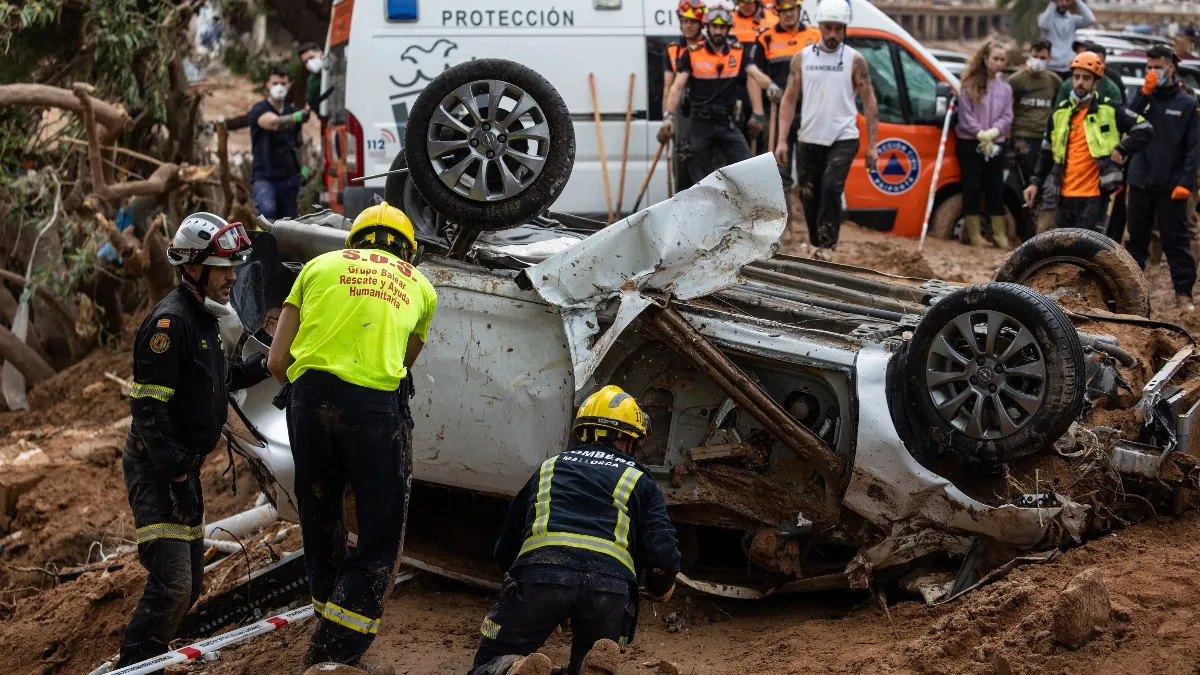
(208,239)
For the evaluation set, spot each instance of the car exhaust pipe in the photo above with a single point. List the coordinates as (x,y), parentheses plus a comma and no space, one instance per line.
(304,241)
(238,526)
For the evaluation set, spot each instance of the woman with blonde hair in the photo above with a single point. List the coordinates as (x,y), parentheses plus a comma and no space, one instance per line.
(984,118)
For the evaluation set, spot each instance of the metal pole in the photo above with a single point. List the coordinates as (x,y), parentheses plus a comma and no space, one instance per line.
(937,171)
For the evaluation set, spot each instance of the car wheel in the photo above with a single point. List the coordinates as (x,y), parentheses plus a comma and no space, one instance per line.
(490,144)
(1106,267)
(399,191)
(995,372)
(947,222)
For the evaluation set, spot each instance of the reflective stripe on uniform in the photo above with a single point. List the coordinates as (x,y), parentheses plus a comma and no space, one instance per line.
(344,617)
(621,495)
(169,531)
(154,391)
(490,629)
(582,541)
(541,518)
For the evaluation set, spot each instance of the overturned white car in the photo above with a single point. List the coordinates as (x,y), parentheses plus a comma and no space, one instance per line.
(813,425)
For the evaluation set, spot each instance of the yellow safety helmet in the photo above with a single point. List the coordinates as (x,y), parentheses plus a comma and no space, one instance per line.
(784,5)
(607,413)
(383,226)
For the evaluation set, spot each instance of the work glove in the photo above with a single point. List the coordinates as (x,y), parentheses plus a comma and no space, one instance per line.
(666,130)
(1180,193)
(1151,82)
(756,123)
(774,92)
(256,364)
(305,173)
(988,135)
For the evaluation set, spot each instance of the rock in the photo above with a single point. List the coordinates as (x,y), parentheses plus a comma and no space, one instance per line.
(1081,609)
(33,456)
(333,669)
(665,667)
(98,451)
(93,388)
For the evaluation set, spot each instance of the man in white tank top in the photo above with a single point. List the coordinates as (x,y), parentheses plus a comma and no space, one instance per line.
(830,74)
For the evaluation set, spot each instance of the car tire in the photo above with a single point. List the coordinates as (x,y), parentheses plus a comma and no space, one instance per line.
(1121,280)
(523,178)
(1012,391)
(399,191)
(944,222)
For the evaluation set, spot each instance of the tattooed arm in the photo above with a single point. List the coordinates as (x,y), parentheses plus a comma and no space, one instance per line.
(787,108)
(866,92)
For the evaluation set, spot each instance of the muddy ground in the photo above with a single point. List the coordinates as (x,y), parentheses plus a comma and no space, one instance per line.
(61,488)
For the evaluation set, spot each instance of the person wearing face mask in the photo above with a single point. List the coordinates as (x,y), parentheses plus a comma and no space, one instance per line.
(829,74)
(1107,88)
(691,25)
(181,380)
(984,119)
(313,58)
(1034,89)
(1162,178)
(1083,145)
(713,73)
(1058,24)
(276,172)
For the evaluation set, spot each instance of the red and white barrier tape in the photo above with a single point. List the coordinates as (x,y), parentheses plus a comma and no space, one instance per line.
(212,644)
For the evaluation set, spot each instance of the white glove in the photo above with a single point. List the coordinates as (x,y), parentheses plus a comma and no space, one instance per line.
(988,135)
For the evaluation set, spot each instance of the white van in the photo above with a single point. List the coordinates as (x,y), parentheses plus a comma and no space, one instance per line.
(382,53)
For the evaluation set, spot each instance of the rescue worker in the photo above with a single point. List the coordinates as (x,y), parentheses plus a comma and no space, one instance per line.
(751,18)
(1083,146)
(716,70)
(349,332)
(576,539)
(691,25)
(181,381)
(829,75)
(276,171)
(1107,88)
(1163,176)
(773,55)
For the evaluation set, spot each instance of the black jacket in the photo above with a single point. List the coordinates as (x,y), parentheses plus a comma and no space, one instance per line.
(1170,160)
(574,493)
(181,384)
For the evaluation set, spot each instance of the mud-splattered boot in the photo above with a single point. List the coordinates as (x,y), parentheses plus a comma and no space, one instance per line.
(601,659)
(534,664)
(973,226)
(1000,231)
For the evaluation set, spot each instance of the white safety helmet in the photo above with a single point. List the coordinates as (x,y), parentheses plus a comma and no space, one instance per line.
(208,239)
(834,11)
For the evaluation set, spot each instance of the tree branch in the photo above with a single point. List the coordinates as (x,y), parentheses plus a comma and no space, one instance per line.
(223,161)
(33,367)
(41,95)
(82,94)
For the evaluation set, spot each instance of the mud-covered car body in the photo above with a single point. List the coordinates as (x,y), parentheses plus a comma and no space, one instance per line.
(812,424)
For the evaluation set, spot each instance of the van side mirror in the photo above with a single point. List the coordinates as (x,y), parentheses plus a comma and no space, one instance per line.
(944,93)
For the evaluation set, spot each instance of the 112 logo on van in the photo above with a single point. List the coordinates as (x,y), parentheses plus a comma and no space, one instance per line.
(901,167)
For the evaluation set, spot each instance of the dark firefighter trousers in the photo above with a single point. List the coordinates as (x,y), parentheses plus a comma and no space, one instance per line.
(343,434)
(824,169)
(708,136)
(169,517)
(534,599)
(1089,213)
(1145,206)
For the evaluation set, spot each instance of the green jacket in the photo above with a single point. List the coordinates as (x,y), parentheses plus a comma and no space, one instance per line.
(1106,122)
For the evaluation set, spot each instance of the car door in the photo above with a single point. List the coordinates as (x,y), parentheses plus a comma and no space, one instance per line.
(892,196)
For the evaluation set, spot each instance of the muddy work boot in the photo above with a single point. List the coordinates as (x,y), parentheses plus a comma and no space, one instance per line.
(601,659)
(1000,231)
(1184,302)
(973,226)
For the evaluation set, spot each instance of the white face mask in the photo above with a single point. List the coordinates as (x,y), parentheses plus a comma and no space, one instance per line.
(278,91)
(315,64)
(1035,64)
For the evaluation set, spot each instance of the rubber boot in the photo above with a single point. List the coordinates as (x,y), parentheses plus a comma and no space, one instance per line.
(1000,231)
(534,664)
(972,225)
(601,659)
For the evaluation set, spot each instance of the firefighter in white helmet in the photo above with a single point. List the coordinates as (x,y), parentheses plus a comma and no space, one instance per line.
(181,381)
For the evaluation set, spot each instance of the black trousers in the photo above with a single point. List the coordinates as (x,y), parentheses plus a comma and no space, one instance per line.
(536,598)
(681,151)
(707,137)
(785,170)
(1144,207)
(343,434)
(169,518)
(1089,213)
(824,169)
(982,180)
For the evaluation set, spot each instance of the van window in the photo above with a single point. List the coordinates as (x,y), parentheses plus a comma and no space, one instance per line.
(878,54)
(921,87)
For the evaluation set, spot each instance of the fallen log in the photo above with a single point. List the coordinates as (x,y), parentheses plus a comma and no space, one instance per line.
(115,120)
(23,358)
